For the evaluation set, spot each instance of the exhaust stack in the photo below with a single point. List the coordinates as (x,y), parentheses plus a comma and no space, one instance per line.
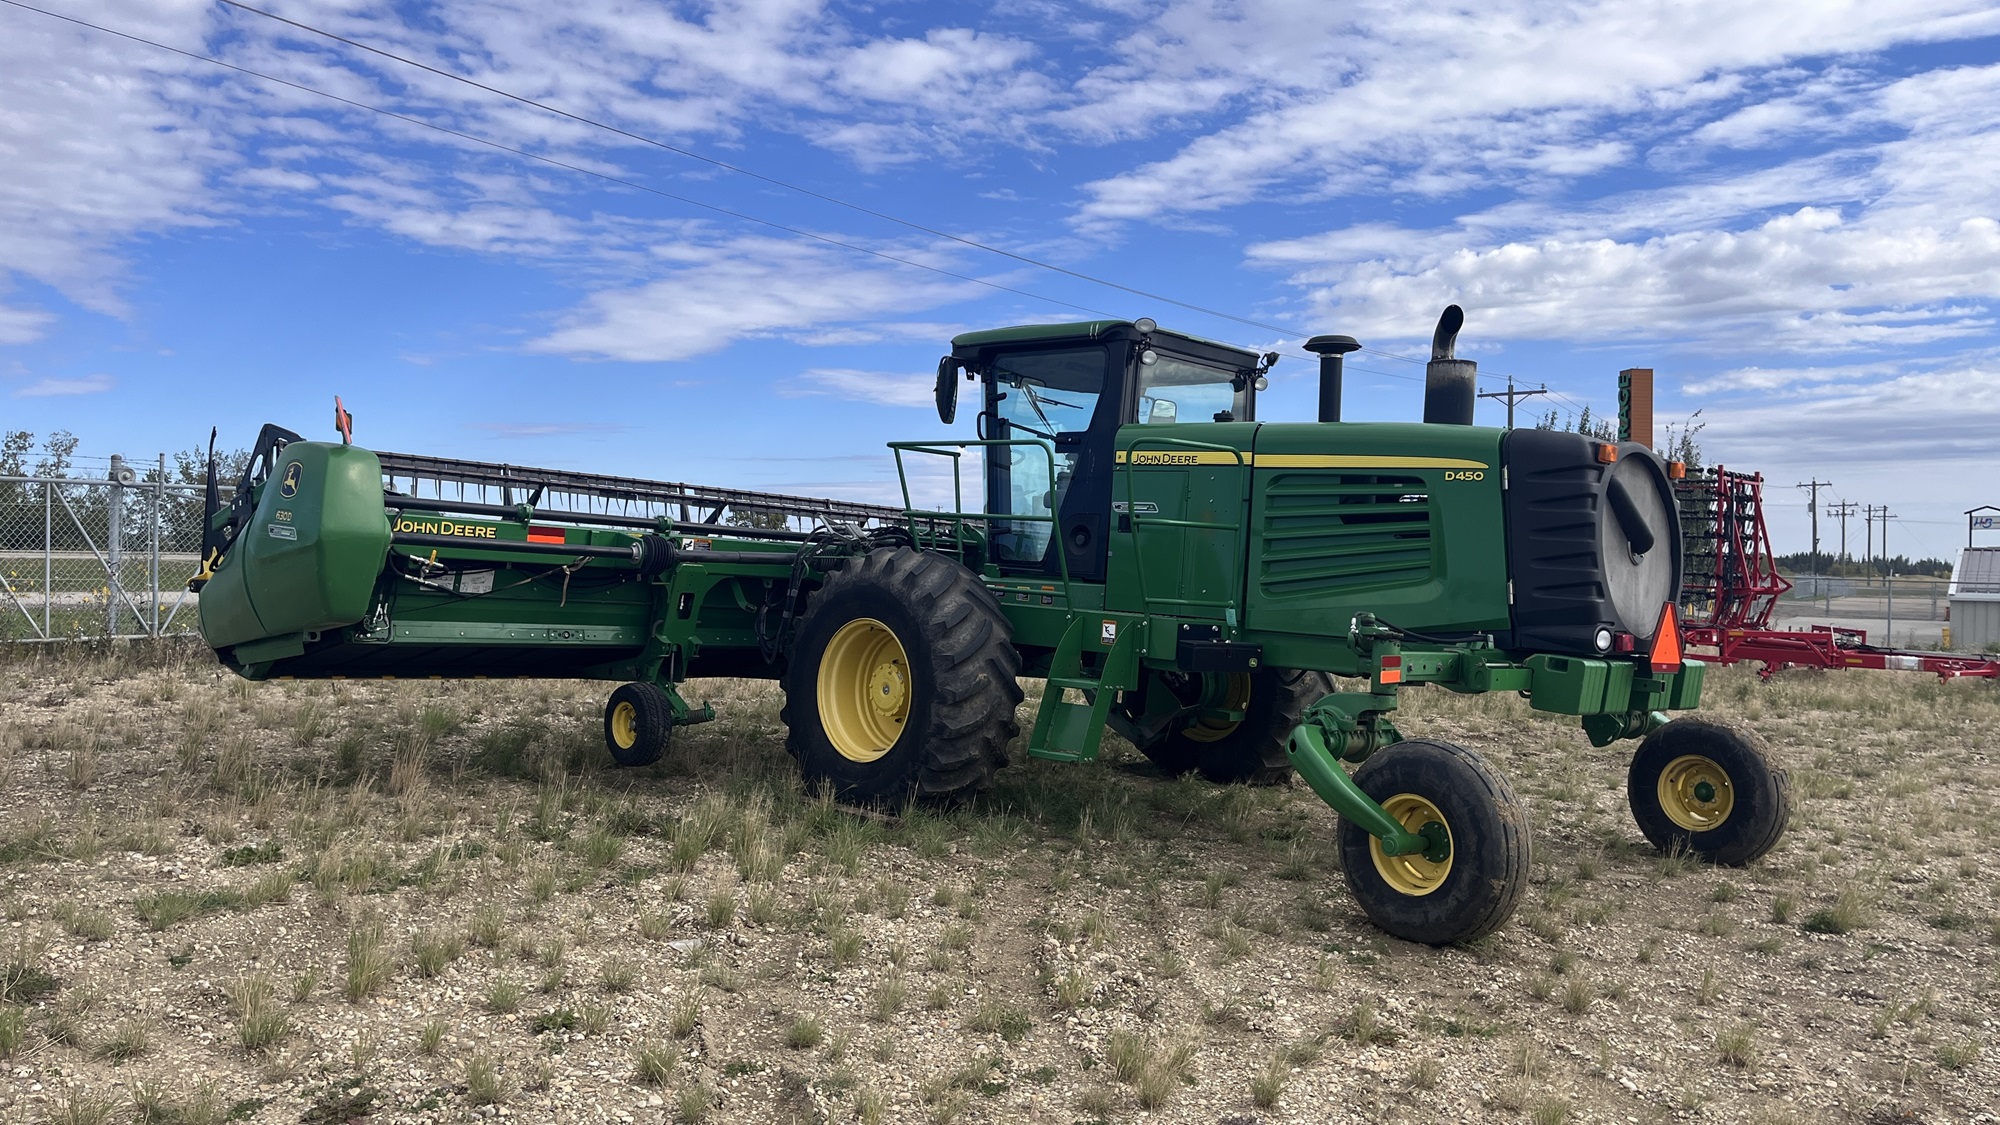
(1330,350)
(1450,384)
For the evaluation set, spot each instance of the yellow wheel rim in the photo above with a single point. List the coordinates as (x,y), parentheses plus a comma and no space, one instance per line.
(1695,793)
(1215,730)
(625,726)
(864,690)
(1412,875)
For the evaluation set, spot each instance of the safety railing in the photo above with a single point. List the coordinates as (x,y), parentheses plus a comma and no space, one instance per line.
(955,453)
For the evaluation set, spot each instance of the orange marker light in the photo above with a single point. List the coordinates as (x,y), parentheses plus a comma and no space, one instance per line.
(1606,453)
(1666,655)
(1677,470)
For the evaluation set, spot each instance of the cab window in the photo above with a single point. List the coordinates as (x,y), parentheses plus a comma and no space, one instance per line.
(1048,397)
(1173,389)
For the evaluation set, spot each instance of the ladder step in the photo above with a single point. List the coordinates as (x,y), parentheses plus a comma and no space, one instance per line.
(1071,727)
(1080,683)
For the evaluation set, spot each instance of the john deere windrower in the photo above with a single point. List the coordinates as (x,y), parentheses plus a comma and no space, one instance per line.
(1170,565)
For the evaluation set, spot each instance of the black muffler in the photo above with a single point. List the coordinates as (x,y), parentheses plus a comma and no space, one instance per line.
(1451,386)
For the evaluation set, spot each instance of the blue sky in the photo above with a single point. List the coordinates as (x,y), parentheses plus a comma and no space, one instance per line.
(1787,209)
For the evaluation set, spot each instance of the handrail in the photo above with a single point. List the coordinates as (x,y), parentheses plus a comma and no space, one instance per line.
(1229,604)
(955,450)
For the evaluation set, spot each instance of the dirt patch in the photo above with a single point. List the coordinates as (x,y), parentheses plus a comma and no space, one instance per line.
(437,901)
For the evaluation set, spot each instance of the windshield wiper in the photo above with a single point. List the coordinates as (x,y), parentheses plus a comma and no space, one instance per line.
(1035,401)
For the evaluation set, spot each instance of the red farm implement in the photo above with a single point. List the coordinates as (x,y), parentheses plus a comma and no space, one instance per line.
(1731,586)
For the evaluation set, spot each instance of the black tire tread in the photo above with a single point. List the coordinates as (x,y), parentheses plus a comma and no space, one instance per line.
(654,718)
(1765,791)
(1256,751)
(1506,859)
(974,689)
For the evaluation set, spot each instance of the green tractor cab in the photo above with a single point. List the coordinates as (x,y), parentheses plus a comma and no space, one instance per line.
(1175,568)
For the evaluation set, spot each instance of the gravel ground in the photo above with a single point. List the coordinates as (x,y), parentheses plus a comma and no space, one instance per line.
(435,902)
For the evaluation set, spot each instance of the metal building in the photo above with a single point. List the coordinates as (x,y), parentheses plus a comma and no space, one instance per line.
(1975,600)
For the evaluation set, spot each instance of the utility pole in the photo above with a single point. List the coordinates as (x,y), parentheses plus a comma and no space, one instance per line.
(1812,506)
(1868,546)
(1842,509)
(1888,574)
(1512,395)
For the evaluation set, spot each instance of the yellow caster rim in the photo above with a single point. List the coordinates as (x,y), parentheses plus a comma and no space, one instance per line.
(1696,793)
(864,690)
(625,726)
(1412,875)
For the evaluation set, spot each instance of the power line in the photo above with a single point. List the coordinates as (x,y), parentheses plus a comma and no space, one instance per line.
(725,165)
(1290,333)
(549,160)
(1812,507)
(1512,396)
(1841,509)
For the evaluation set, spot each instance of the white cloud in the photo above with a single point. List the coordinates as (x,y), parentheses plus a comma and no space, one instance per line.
(22,326)
(947,64)
(98,144)
(107,140)
(463,224)
(276,179)
(916,331)
(1889,242)
(712,295)
(878,387)
(1409,100)
(1868,436)
(52,388)
(1742,380)
(1807,281)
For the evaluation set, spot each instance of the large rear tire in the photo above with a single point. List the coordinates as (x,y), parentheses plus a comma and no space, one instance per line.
(1473,890)
(903,679)
(1250,750)
(1697,785)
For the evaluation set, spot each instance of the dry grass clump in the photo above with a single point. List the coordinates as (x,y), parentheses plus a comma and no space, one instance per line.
(261,1022)
(526,927)
(1155,1068)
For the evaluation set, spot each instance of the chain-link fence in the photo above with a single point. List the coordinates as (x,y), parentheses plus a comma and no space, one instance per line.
(98,558)
(1904,610)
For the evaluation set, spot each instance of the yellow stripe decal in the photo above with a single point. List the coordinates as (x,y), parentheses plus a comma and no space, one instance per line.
(1361,461)
(1179,457)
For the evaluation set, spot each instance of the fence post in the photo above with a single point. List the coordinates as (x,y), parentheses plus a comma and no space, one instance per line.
(1890,585)
(153,542)
(114,534)
(48,557)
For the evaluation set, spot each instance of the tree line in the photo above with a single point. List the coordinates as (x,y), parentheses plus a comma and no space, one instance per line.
(78,517)
(1805,562)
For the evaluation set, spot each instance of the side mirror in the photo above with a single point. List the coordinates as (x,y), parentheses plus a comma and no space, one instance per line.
(947,390)
(1165,411)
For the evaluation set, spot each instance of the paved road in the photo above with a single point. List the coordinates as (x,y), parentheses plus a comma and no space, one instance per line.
(1908,633)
